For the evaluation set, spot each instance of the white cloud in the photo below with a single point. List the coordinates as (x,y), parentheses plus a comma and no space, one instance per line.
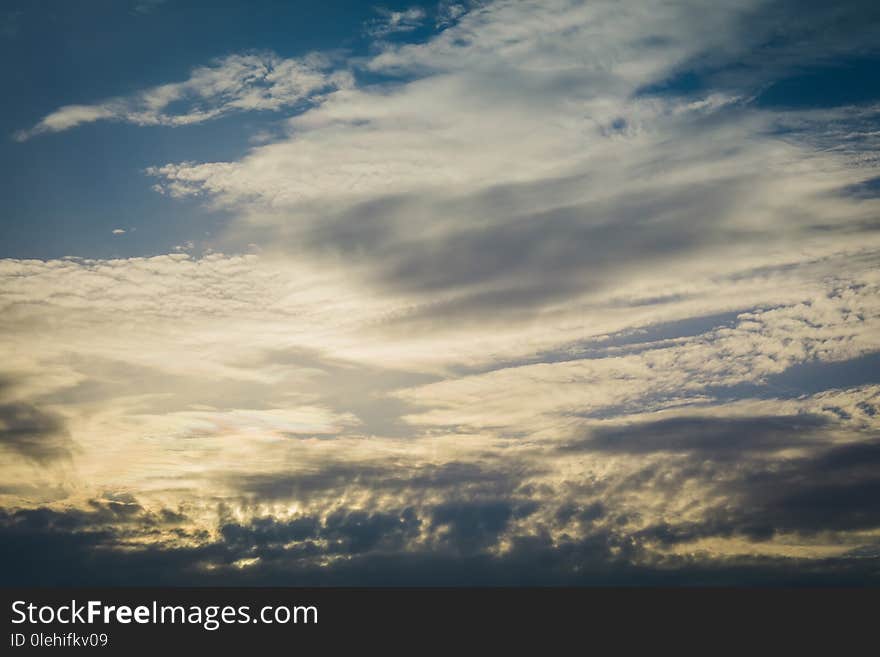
(250,82)
(836,321)
(448,12)
(392,22)
(517,169)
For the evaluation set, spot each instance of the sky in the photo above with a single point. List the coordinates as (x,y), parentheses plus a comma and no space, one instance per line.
(508,292)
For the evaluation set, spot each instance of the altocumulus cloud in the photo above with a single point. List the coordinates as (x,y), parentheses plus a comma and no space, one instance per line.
(559,293)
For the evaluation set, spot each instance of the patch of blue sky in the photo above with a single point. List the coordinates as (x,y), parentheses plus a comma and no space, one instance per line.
(841,81)
(65,193)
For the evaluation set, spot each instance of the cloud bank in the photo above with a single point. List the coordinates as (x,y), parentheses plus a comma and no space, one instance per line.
(561,293)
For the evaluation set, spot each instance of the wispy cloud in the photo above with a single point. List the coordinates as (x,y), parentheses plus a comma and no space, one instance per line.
(147,6)
(449,11)
(391,22)
(236,83)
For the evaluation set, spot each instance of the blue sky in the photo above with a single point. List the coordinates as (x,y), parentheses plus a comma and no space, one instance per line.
(65,194)
(57,53)
(502,292)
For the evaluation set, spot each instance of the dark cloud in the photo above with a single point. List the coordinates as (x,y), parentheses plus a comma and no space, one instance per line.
(455,538)
(749,489)
(513,248)
(832,490)
(306,485)
(36,552)
(472,527)
(596,237)
(712,437)
(355,532)
(105,515)
(526,261)
(43,546)
(341,532)
(33,432)
(836,490)
(584,514)
(334,479)
(269,531)
(471,523)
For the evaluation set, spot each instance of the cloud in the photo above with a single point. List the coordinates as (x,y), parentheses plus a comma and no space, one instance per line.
(554,298)
(832,490)
(452,186)
(448,12)
(714,437)
(545,538)
(144,7)
(33,433)
(391,22)
(235,83)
